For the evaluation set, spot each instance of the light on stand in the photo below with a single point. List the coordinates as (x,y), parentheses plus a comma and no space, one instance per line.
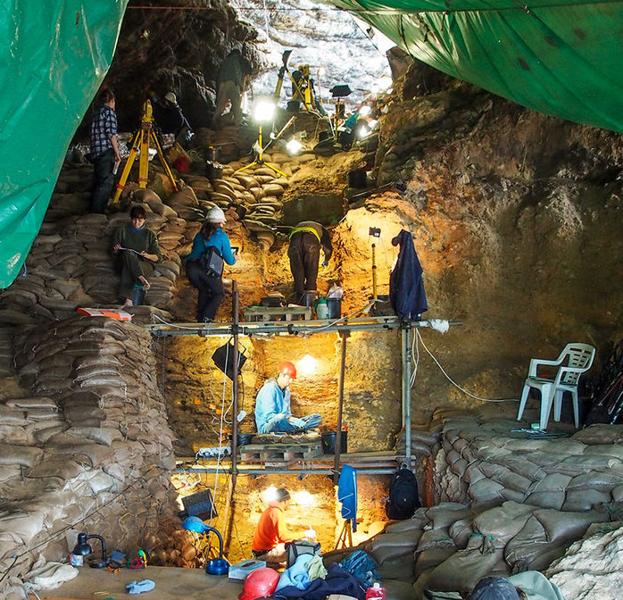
(294,147)
(365,110)
(264,111)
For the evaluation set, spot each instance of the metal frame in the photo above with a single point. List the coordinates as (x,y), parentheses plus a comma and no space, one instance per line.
(343,326)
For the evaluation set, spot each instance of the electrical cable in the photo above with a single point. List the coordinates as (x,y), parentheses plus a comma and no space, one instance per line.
(418,336)
(70,526)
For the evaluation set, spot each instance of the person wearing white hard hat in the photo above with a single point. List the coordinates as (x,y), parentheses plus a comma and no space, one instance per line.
(204,265)
(169,116)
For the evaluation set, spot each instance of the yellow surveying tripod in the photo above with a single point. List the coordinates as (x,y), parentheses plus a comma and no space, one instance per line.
(140,146)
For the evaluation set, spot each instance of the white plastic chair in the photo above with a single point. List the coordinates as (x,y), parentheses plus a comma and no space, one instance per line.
(574,360)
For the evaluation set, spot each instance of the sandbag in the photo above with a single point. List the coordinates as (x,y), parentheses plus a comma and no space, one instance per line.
(435,538)
(502,523)
(462,570)
(19,455)
(565,526)
(431,558)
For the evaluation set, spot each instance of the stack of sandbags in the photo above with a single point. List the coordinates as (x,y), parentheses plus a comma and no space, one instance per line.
(450,547)
(6,351)
(485,462)
(97,439)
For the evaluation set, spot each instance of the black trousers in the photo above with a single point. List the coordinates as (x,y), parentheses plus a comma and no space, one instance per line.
(304,255)
(103,181)
(131,266)
(211,292)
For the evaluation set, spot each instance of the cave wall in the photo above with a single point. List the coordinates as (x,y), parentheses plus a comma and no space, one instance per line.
(194,386)
(317,507)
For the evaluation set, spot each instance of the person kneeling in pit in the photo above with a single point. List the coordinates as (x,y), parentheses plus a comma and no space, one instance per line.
(272,534)
(137,250)
(272,405)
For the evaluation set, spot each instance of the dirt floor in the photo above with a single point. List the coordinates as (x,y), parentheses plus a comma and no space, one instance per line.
(170,583)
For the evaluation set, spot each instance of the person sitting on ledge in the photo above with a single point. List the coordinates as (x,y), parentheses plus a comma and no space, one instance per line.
(137,250)
(272,533)
(272,405)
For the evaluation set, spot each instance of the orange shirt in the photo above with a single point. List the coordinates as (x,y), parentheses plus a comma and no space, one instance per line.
(271,530)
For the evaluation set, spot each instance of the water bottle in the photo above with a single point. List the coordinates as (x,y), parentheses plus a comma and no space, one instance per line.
(322,310)
(376,592)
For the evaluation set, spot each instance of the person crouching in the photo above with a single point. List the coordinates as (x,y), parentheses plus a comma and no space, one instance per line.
(211,237)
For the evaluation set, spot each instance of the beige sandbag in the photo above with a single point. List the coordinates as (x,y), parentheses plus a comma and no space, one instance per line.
(429,559)
(502,523)
(20,455)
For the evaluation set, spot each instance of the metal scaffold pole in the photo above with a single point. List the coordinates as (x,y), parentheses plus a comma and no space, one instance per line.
(340,409)
(231,504)
(406,334)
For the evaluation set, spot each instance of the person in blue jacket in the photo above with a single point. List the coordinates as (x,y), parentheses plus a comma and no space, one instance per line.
(209,284)
(272,405)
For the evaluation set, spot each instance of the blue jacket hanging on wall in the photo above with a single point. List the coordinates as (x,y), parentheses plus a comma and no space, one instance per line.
(406,288)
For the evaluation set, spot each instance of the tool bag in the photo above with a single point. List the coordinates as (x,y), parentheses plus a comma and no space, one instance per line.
(298,548)
(212,262)
(403,495)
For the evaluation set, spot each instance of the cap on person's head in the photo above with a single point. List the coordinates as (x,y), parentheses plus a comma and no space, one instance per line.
(288,368)
(170,97)
(282,494)
(494,588)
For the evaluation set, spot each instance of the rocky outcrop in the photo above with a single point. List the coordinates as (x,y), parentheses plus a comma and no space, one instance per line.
(331,41)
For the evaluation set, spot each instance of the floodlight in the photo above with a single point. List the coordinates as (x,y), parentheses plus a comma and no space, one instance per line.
(264,111)
(307,365)
(294,147)
(372,123)
(362,131)
(365,110)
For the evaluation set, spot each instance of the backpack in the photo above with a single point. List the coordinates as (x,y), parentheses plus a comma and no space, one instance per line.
(212,262)
(403,495)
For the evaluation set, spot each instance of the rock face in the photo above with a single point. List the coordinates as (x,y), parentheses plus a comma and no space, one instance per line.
(331,41)
(592,566)
(163,48)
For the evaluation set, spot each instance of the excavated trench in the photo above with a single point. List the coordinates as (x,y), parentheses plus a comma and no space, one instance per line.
(515,217)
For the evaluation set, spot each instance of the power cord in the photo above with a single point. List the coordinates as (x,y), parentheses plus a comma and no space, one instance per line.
(418,339)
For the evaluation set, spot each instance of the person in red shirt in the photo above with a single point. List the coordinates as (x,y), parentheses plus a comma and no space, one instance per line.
(272,532)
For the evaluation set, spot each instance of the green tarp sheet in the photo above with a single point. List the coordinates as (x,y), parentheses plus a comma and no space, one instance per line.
(558,57)
(54,55)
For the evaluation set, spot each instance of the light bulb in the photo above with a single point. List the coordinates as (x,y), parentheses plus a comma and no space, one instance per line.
(307,365)
(264,111)
(294,146)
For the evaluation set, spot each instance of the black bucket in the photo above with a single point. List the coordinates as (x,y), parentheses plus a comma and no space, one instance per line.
(335,307)
(138,295)
(244,438)
(329,439)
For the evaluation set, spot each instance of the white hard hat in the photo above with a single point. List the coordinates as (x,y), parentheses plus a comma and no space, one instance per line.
(170,97)
(216,215)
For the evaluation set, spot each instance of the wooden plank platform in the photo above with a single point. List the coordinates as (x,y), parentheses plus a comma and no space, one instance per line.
(286,313)
(280,453)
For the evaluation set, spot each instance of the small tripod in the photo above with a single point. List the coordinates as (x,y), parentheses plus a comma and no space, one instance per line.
(259,160)
(140,146)
(345,539)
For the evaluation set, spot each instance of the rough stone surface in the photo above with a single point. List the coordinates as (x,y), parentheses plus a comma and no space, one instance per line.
(591,568)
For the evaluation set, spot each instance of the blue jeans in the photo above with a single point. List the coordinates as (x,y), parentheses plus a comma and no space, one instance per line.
(290,424)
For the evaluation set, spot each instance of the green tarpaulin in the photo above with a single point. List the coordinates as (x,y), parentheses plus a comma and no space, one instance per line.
(559,57)
(55,54)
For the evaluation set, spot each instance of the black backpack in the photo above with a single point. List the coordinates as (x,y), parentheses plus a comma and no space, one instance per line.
(403,495)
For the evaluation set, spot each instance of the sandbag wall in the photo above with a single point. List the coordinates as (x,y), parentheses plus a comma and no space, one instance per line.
(451,546)
(482,461)
(70,263)
(86,445)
